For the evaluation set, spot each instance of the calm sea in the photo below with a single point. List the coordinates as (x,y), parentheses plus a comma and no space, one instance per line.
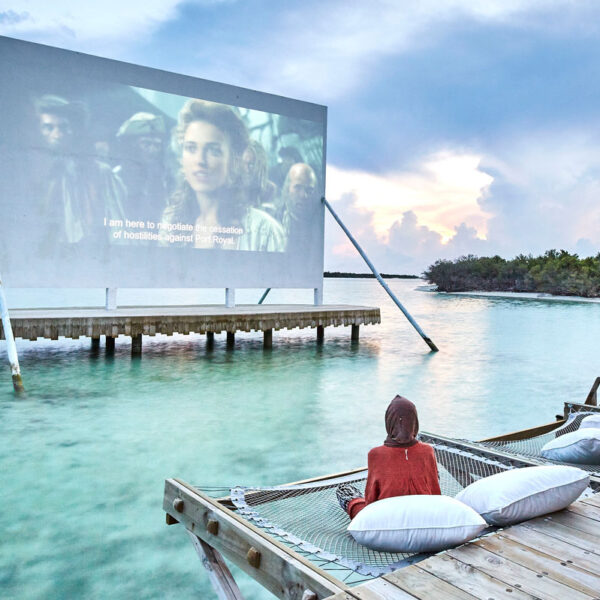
(85,454)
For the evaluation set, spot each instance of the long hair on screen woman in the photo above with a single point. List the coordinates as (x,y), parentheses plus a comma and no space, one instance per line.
(210,140)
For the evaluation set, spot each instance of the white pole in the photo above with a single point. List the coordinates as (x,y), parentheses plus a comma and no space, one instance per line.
(229,297)
(111,299)
(11,347)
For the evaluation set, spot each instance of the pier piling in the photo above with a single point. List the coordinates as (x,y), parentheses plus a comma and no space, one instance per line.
(320,333)
(268,338)
(136,345)
(13,357)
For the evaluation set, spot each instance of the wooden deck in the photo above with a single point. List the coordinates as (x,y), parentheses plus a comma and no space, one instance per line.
(135,321)
(556,557)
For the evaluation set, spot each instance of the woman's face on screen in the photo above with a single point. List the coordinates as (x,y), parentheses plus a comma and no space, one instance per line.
(205,158)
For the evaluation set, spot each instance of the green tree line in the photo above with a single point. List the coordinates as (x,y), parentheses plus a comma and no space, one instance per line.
(555,272)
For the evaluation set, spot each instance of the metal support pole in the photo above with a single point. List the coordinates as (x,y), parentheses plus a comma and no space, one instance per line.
(375,272)
(262,298)
(11,347)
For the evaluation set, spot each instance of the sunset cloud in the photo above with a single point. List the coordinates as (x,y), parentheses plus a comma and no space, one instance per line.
(443,192)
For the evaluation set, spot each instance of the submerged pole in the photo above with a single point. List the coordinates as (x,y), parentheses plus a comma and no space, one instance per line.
(11,347)
(375,272)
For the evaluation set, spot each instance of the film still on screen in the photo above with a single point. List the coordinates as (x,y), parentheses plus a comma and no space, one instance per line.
(118,165)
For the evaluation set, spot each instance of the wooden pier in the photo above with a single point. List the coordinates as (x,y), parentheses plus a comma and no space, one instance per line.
(556,557)
(136,321)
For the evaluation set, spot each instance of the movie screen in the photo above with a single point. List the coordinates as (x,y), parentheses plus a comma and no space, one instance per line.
(126,165)
(117,175)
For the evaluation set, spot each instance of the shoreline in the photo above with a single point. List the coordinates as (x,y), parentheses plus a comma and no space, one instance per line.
(524,296)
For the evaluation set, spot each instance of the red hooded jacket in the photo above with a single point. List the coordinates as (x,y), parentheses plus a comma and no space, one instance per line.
(403,466)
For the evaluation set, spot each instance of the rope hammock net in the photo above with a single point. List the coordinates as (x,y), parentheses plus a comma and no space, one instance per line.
(531,448)
(308,518)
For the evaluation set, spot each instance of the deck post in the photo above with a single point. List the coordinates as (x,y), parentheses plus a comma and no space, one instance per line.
(592,397)
(230,339)
(268,338)
(11,348)
(110,344)
(220,576)
(355,332)
(230,297)
(95,344)
(111,299)
(318,295)
(210,338)
(136,345)
(379,278)
(320,333)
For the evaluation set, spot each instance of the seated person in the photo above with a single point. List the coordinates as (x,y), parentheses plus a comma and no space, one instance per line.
(403,466)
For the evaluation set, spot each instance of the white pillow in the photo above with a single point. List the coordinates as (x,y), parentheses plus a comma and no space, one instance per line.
(581,447)
(415,524)
(590,421)
(519,494)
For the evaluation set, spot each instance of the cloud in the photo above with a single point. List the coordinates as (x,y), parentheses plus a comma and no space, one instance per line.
(546,192)
(325,50)
(442,191)
(538,190)
(407,220)
(85,24)
(315,49)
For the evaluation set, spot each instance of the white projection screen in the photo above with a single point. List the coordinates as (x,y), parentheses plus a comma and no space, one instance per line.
(116,175)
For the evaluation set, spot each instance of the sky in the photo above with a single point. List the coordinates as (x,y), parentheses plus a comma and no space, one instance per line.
(454,126)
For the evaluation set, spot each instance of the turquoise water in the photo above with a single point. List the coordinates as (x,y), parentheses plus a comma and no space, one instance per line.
(85,454)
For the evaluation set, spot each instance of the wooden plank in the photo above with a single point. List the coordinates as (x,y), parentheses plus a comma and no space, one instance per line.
(471,580)
(516,575)
(380,589)
(592,397)
(580,558)
(542,560)
(226,500)
(579,539)
(592,500)
(586,510)
(424,585)
(525,434)
(285,573)
(579,522)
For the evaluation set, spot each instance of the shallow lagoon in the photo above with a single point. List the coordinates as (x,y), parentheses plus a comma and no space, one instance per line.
(85,454)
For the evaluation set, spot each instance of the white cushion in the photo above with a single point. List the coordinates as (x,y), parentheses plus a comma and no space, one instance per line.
(415,524)
(519,494)
(581,446)
(590,421)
